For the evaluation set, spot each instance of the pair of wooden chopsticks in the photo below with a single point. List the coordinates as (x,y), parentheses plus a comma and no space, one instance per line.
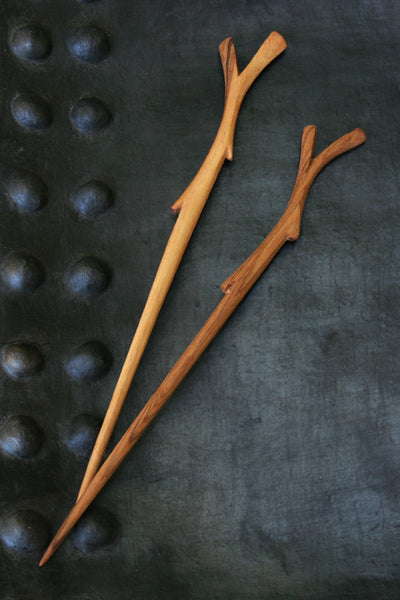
(235,287)
(190,205)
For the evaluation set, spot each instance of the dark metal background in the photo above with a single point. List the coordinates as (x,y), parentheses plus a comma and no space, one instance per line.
(273,471)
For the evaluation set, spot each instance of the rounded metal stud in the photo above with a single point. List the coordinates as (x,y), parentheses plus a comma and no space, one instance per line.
(31,42)
(89,115)
(21,360)
(31,112)
(20,437)
(26,191)
(21,272)
(82,434)
(96,529)
(89,362)
(87,277)
(89,44)
(24,531)
(92,199)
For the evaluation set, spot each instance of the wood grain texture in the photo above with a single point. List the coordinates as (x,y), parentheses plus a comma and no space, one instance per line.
(235,289)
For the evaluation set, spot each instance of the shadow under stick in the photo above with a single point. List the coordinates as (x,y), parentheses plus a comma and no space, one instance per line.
(235,288)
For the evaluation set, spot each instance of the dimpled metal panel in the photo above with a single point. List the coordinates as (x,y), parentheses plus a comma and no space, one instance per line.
(272,472)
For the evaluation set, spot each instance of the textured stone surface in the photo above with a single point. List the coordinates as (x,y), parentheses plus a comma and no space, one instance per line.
(273,471)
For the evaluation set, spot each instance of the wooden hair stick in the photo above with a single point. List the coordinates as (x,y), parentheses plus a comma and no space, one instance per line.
(190,204)
(235,288)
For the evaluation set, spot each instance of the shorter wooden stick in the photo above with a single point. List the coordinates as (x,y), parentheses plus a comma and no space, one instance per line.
(235,288)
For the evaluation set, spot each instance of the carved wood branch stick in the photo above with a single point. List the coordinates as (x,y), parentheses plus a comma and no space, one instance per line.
(235,288)
(191,204)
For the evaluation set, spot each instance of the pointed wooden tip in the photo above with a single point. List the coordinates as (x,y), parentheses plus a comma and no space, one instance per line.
(60,536)
(48,554)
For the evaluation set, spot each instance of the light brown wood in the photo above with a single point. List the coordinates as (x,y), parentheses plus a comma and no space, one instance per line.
(190,204)
(235,288)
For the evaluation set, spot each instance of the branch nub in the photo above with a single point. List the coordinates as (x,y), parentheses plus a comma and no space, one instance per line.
(227,54)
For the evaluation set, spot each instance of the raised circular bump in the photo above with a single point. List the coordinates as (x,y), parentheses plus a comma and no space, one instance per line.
(26,191)
(89,115)
(92,199)
(31,42)
(31,112)
(82,434)
(89,44)
(97,528)
(21,360)
(20,437)
(24,531)
(88,362)
(87,277)
(21,272)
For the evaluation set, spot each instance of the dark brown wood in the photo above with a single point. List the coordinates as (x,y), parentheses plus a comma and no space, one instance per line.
(235,288)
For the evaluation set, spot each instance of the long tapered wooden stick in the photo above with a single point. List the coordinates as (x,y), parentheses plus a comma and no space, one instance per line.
(235,288)
(190,204)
